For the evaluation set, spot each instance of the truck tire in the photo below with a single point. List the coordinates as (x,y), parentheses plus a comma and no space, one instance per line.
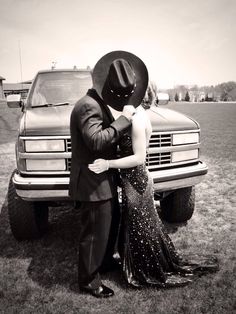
(28,220)
(178,206)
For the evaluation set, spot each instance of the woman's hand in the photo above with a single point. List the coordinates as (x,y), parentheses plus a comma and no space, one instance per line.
(99,165)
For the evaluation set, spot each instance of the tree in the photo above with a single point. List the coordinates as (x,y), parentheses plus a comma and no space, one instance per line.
(187,97)
(225,91)
(224,96)
(176,97)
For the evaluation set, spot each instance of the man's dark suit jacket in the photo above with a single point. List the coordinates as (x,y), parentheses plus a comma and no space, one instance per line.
(94,134)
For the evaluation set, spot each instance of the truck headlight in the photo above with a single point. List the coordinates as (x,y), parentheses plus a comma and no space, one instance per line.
(185,138)
(184,155)
(45,164)
(44,146)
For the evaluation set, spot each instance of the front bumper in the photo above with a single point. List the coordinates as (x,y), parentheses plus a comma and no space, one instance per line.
(56,188)
(172,179)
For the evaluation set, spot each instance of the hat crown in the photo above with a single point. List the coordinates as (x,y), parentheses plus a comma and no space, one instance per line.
(121,78)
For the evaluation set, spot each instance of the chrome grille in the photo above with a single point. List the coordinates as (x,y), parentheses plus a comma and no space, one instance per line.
(160,140)
(68,164)
(68,150)
(68,145)
(157,159)
(159,152)
(153,159)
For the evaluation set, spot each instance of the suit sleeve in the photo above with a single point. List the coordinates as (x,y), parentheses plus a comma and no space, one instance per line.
(95,136)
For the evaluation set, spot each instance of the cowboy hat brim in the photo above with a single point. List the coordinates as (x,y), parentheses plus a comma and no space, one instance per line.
(100,73)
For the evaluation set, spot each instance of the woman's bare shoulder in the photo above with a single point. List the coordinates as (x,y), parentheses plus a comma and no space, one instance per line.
(138,120)
(141,117)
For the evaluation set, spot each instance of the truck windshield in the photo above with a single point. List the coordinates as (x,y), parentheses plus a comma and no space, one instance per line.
(59,87)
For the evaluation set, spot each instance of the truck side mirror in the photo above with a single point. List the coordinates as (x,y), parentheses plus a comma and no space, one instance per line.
(14,101)
(162,98)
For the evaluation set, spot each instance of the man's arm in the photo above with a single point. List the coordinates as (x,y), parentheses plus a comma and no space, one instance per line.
(91,126)
(139,151)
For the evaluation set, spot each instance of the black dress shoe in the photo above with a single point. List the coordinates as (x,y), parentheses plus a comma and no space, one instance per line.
(101,292)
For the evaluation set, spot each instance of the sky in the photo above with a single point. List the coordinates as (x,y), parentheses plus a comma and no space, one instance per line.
(180,41)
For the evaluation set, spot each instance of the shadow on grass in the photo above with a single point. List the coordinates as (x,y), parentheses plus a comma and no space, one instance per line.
(171,228)
(53,258)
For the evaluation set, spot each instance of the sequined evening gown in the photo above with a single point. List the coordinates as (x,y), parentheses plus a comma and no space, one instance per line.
(149,256)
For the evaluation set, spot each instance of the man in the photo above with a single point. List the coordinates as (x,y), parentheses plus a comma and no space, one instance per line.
(94,133)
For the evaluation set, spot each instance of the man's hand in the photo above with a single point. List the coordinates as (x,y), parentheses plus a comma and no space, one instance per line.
(128,112)
(99,166)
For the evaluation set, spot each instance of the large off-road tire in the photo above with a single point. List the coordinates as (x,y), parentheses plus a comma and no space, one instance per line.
(28,220)
(178,206)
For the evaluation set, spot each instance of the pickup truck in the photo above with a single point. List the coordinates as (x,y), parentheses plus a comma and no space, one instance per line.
(43,153)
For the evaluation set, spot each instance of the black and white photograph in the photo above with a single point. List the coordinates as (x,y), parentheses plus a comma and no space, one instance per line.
(117,156)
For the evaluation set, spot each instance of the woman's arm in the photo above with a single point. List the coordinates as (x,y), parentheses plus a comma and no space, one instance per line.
(139,150)
(138,144)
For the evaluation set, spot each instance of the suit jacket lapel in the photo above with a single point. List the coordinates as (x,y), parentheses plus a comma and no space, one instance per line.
(92,93)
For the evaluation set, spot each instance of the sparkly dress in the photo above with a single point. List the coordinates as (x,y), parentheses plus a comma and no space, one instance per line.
(148,254)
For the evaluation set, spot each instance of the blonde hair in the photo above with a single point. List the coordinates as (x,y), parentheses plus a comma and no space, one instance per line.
(153,86)
(150,96)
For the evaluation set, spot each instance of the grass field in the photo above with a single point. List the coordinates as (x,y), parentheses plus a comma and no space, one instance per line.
(40,276)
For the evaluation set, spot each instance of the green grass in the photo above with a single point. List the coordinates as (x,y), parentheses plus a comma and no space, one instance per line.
(41,276)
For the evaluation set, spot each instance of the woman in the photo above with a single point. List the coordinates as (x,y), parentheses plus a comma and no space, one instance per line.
(149,256)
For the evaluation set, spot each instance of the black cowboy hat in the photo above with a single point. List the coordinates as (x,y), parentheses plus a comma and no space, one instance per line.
(120,78)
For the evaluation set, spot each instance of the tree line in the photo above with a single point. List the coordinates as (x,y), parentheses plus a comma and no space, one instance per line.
(222,92)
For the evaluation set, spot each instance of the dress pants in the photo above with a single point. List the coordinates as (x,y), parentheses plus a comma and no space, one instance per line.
(99,224)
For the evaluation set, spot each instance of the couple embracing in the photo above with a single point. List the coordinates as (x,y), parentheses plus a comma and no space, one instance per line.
(148,256)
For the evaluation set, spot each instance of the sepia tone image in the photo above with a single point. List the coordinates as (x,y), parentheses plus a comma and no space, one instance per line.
(117,156)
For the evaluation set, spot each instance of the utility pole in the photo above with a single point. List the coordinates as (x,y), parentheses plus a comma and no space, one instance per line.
(20,64)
